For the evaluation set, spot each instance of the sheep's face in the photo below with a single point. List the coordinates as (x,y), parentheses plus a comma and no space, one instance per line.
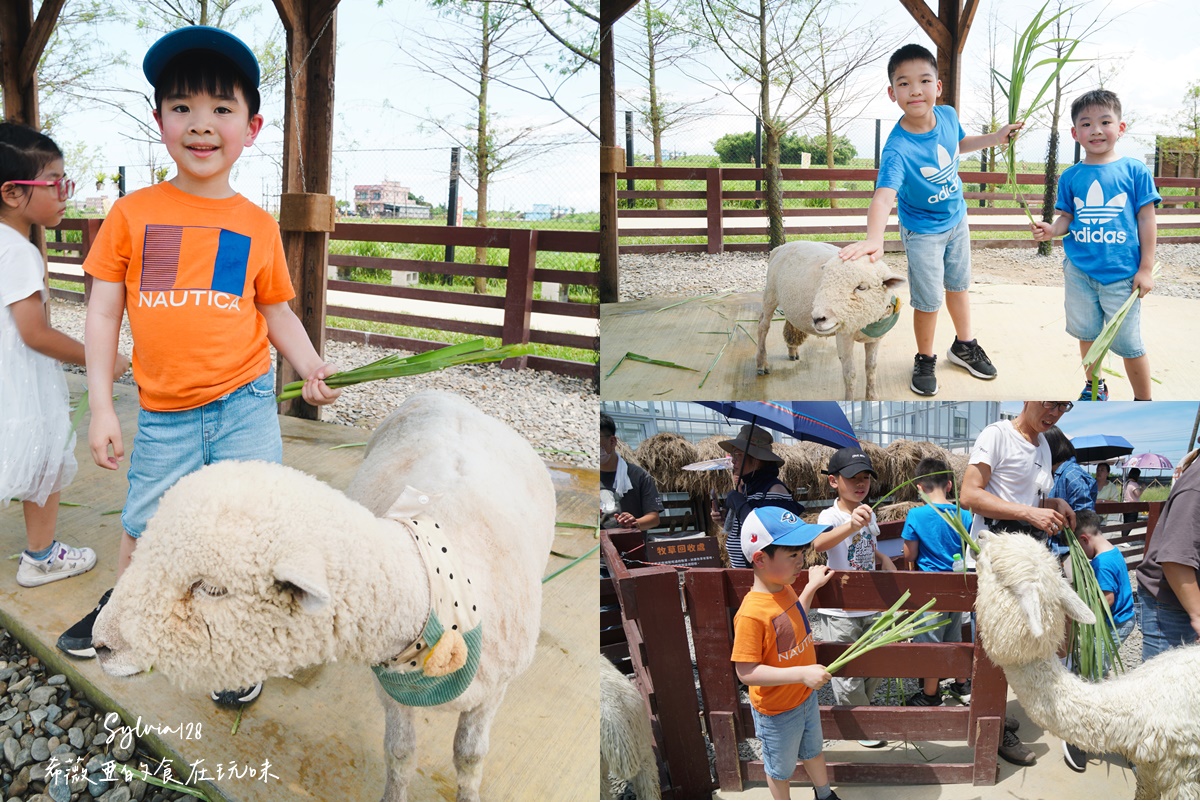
(1023,601)
(852,295)
(227,586)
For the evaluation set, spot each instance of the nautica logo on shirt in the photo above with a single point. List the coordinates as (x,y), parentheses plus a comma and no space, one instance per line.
(214,274)
(946,174)
(1095,210)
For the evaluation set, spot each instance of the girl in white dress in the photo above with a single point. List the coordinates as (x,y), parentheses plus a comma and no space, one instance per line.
(37,444)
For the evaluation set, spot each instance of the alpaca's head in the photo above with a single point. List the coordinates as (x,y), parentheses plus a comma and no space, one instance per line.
(1023,601)
(228,584)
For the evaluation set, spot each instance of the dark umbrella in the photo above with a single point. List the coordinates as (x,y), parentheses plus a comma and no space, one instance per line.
(1100,447)
(819,421)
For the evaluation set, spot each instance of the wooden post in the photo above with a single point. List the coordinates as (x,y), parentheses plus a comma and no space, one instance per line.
(311,28)
(518,294)
(609,280)
(712,200)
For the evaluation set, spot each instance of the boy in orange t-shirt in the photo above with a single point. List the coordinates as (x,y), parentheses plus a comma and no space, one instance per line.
(773,649)
(200,271)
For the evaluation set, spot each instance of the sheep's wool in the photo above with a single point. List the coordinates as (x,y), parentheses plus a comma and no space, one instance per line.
(441,663)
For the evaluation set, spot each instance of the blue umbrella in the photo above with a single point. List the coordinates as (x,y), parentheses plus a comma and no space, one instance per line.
(819,421)
(1100,447)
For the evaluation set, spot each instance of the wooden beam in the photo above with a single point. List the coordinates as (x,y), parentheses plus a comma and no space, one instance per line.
(612,11)
(39,35)
(929,22)
(948,55)
(609,278)
(965,20)
(307,163)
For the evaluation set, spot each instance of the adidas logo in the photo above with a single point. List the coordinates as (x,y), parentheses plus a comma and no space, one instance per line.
(1095,209)
(947,167)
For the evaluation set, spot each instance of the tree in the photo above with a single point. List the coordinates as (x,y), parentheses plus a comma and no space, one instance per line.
(769,45)
(991,95)
(838,48)
(1187,120)
(481,41)
(661,45)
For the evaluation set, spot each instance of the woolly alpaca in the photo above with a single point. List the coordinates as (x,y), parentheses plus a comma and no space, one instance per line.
(625,737)
(1150,715)
(819,294)
(208,611)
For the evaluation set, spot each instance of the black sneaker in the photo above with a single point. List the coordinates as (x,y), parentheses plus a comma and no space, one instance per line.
(1011,724)
(77,641)
(1075,757)
(919,699)
(961,689)
(970,356)
(923,381)
(242,696)
(832,795)
(1015,752)
(1101,392)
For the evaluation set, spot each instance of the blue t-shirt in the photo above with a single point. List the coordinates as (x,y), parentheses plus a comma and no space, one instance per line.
(1104,200)
(1113,578)
(939,542)
(923,169)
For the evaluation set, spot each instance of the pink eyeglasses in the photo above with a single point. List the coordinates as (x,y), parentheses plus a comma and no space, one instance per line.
(64,185)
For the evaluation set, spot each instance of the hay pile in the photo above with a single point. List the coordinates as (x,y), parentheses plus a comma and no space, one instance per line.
(900,459)
(884,482)
(958,463)
(663,457)
(626,453)
(802,466)
(895,512)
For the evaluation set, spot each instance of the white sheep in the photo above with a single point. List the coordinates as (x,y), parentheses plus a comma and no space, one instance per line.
(820,294)
(250,570)
(625,738)
(1150,715)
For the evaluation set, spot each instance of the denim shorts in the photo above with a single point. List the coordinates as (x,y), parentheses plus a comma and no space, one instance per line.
(936,262)
(242,425)
(950,630)
(1090,304)
(1163,626)
(789,736)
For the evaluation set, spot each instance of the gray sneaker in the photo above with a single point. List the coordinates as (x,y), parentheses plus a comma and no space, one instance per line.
(63,562)
(924,382)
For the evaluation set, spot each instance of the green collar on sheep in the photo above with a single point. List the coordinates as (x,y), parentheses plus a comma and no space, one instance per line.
(440,664)
(884,324)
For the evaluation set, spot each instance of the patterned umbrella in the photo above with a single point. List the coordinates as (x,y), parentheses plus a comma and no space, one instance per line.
(1148,462)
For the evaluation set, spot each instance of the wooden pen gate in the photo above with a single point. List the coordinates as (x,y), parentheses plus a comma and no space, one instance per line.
(658,616)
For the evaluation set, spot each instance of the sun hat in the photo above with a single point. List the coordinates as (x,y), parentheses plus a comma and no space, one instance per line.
(774,525)
(753,440)
(850,461)
(200,37)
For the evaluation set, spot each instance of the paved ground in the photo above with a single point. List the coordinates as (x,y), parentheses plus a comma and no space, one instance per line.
(1107,777)
(1020,327)
(322,730)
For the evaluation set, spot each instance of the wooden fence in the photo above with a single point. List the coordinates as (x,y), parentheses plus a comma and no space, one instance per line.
(647,621)
(519,275)
(981,191)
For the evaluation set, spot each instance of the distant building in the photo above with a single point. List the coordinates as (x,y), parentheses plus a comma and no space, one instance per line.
(388,199)
(544,211)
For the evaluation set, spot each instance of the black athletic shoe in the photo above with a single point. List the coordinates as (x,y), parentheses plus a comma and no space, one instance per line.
(1015,752)
(242,696)
(1075,757)
(970,356)
(77,641)
(919,699)
(961,689)
(832,795)
(924,382)
(1011,724)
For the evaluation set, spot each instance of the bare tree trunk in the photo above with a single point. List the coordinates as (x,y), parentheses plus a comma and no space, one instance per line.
(655,112)
(483,171)
(773,185)
(829,144)
(1050,191)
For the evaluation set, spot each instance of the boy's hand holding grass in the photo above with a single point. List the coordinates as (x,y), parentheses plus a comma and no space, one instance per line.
(316,391)
(1143,281)
(1044,232)
(1008,134)
(860,517)
(813,676)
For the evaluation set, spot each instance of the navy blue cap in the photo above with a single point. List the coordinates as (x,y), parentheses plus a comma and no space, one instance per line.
(774,525)
(200,37)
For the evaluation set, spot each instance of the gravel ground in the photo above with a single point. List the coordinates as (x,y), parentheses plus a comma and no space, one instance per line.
(557,414)
(54,740)
(687,274)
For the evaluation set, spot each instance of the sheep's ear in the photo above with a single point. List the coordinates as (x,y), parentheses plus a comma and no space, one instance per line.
(304,572)
(1075,607)
(1027,598)
(893,280)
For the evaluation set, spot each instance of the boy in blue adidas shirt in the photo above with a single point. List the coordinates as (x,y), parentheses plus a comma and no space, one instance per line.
(1106,216)
(919,167)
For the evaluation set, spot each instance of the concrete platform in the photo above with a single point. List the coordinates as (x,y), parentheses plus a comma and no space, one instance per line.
(1021,328)
(322,731)
(1107,777)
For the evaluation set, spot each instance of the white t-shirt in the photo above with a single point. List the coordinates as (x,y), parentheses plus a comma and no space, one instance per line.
(855,553)
(1021,472)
